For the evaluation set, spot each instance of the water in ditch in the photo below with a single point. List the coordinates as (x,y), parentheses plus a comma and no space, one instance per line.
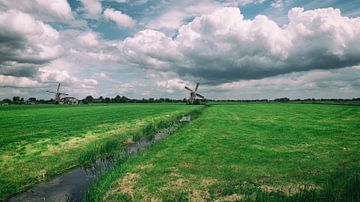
(72,186)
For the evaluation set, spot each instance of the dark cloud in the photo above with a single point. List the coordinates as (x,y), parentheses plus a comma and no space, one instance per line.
(23,49)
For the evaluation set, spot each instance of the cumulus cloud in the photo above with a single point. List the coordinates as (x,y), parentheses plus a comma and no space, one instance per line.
(63,71)
(175,16)
(89,83)
(86,45)
(93,8)
(121,19)
(57,71)
(6,81)
(173,84)
(88,39)
(25,43)
(54,10)
(223,46)
(180,12)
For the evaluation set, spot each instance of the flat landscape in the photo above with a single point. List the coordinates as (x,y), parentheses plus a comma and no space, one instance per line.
(191,100)
(38,142)
(262,152)
(229,152)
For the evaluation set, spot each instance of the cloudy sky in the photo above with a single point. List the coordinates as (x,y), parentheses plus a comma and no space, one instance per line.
(236,49)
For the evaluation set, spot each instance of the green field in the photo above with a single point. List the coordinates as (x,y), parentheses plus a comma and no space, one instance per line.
(38,142)
(264,152)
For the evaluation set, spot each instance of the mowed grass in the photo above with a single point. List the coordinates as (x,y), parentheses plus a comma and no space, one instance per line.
(40,141)
(263,152)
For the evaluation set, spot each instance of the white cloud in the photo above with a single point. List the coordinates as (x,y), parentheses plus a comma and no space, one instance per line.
(54,10)
(174,17)
(57,71)
(92,7)
(88,39)
(101,75)
(89,83)
(88,47)
(17,82)
(173,84)
(149,47)
(63,71)
(223,46)
(180,12)
(121,19)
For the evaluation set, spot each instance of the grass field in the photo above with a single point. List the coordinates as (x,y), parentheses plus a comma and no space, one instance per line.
(263,152)
(40,141)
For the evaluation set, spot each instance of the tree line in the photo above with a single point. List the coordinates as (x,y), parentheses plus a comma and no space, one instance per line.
(123,99)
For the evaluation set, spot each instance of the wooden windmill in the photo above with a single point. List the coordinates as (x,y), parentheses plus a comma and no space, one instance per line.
(58,94)
(193,94)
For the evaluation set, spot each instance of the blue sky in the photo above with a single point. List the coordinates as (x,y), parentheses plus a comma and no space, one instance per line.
(239,49)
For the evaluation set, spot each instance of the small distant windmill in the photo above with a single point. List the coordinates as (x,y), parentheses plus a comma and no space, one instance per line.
(58,94)
(193,94)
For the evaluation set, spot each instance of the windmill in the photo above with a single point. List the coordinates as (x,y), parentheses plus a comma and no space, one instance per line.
(193,94)
(58,94)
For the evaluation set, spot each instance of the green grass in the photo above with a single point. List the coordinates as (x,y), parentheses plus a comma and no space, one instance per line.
(262,152)
(40,141)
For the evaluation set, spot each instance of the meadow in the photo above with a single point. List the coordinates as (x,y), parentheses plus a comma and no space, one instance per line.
(40,141)
(250,152)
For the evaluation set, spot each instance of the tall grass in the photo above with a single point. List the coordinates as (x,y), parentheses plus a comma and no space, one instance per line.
(112,145)
(97,190)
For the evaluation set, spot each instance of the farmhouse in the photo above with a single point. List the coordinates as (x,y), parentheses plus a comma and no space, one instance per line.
(69,101)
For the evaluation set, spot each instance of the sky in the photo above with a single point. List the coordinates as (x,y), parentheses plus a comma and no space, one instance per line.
(235,49)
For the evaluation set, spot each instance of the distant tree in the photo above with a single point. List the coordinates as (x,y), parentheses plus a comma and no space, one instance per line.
(284,99)
(16,99)
(7,100)
(107,100)
(89,99)
(117,99)
(32,99)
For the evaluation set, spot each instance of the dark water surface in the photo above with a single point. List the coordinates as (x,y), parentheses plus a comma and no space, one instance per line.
(72,185)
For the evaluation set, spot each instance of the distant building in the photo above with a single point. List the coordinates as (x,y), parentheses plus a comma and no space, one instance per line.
(31,101)
(97,100)
(69,101)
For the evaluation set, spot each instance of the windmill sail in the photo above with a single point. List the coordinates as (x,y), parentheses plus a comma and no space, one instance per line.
(187,88)
(193,94)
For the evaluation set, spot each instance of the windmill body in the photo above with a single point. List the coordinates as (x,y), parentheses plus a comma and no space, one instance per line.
(58,94)
(193,94)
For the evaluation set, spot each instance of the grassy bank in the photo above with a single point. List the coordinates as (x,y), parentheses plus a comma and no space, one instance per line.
(263,152)
(38,142)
